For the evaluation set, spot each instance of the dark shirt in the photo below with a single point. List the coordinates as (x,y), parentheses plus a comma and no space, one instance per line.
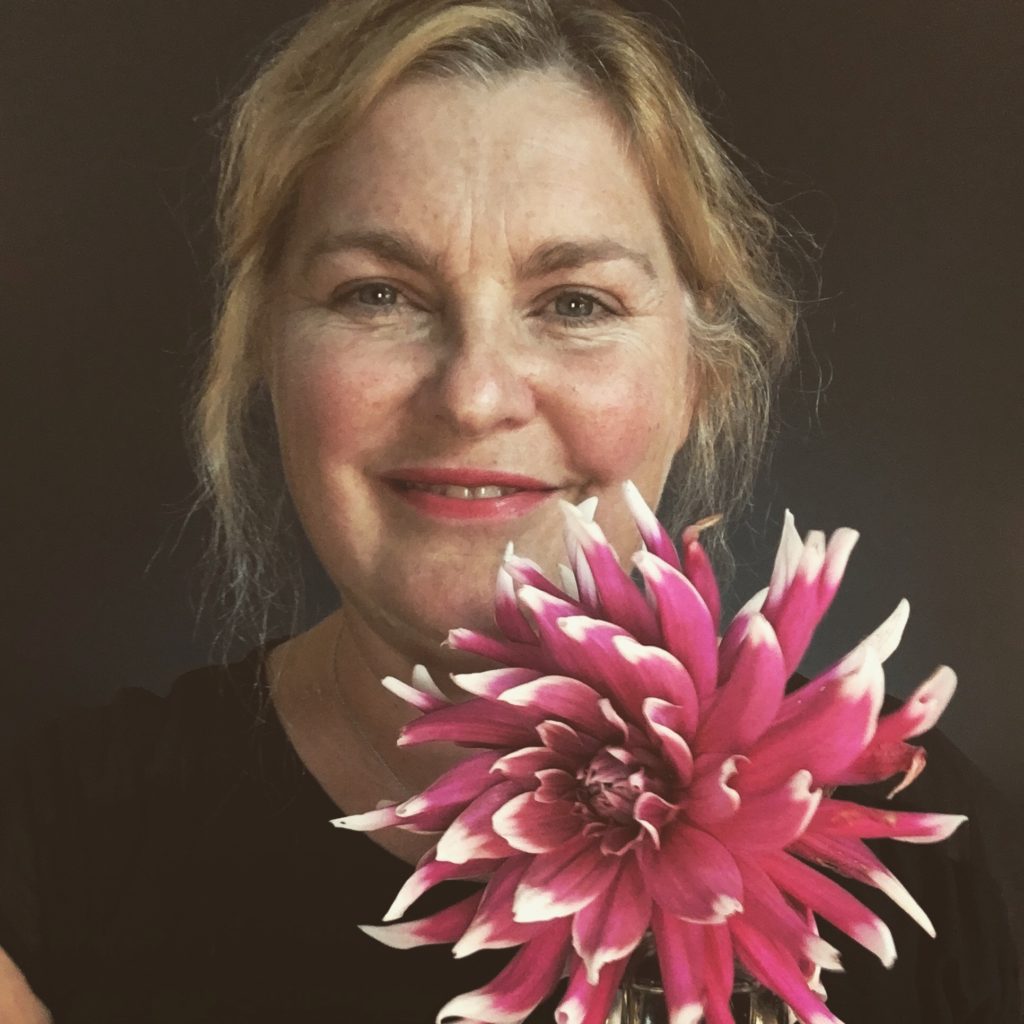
(170,861)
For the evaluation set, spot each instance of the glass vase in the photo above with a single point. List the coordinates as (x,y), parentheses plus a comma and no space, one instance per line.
(641,999)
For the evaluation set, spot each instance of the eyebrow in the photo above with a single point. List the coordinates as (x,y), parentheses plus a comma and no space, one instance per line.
(397,247)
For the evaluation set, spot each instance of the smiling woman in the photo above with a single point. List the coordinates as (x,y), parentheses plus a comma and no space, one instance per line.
(479,259)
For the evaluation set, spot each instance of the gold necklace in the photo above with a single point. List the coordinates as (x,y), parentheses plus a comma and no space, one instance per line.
(351,716)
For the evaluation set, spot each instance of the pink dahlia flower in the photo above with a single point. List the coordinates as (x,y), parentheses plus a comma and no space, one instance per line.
(630,772)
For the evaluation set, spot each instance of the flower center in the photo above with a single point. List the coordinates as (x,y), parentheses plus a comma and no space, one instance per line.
(611,783)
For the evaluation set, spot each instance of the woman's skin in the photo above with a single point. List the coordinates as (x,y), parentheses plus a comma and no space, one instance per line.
(476,280)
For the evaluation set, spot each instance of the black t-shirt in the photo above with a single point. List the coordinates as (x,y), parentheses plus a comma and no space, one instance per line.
(170,861)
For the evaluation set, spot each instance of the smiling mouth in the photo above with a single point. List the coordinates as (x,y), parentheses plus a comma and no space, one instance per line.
(468,494)
(461,493)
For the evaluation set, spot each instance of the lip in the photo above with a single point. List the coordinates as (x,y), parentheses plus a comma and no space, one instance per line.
(531,492)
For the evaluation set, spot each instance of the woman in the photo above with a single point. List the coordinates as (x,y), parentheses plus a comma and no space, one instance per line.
(479,258)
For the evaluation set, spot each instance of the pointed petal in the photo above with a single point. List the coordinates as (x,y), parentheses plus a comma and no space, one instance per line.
(473,723)
(773,819)
(505,652)
(563,881)
(736,632)
(771,965)
(444,926)
(471,835)
(561,697)
(494,682)
(921,710)
(533,826)
(667,725)
(698,570)
(748,698)
(850,857)
(411,695)
(843,818)
(565,741)
(507,615)
(368,821)
(652,813)
(430,872)
(832,902)
(710,800)
(493,926)
(685,622)
(528,573)
(653,534)
(610,927)
(692,876)
(584,1003)
(719,973)
(680,947)
(524,763)
(520,986)
(455,788)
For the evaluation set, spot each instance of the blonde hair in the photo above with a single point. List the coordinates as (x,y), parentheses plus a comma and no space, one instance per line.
(318,85)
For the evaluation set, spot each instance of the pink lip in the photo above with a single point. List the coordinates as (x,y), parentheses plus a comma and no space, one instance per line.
(531,493)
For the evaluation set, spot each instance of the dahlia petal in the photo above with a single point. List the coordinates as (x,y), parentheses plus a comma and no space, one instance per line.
(444,926)
(787,561)
(524,763)
(584,1003)
(580,645)
(526,572)
(667,724)
(493,682)
(455,788)
(554,785)
(471,835)
(563,881)
(662,674)
(545,608)
(827,732)
(610,926)
(686,623)
(520,986)
(560,697)
(719,973)
(710,799)
(430,872)
(832,902)
(770,964)
(473,723)
(568,581)
(844,818)
(368,821)
(680,948)
(506,652)
(692,875)
(772,819)
(411,695)
(653,534)
(564,740)
(767,911)
(748,698)
(850,857)
(493,926)
(736,632)
(507,615)
(697,567)
(921,710)
(886,638)
(533,826)
(618,596)
(882,761)
(653,813)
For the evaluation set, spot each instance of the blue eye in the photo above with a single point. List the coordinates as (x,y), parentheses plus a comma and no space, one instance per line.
(579,309)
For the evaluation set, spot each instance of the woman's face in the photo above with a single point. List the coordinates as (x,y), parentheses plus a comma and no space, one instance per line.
(476,315)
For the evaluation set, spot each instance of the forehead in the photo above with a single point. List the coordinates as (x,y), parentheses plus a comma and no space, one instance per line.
(533,153)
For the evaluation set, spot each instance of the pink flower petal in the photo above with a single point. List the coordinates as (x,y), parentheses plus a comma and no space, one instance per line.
(680,947)
(610,927)
(493,682)
(506,652)
(528,573)
(832,902)
(520,986)
(692,875)
(430,872)
(584,1003)
(719,969)
(653,813)
(471,835)
(455,788)
(686,623)
(561,697)
(748,698)
(532,826)
(772,819)
(563,881)
(850,857)
(921,710)
(770,964)
(565,741)
(411,695)
(473,723)
(369,821)
(667,724)
(843,818)
(507,615)
(698,570)
(523,764)
(653,534)
(710,800)
(445,926)
(825,734)
(493,926)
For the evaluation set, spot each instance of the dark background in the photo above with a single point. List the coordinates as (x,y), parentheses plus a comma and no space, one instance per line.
(892,131)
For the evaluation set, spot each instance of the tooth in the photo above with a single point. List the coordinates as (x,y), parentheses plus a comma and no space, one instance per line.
(487,492)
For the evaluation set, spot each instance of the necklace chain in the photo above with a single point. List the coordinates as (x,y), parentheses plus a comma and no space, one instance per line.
(350,714)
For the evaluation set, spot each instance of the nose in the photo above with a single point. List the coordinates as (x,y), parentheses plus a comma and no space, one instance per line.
(486,378)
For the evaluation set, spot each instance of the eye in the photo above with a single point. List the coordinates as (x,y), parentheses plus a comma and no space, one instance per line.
(375,293)
(368,300)
(579,308)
